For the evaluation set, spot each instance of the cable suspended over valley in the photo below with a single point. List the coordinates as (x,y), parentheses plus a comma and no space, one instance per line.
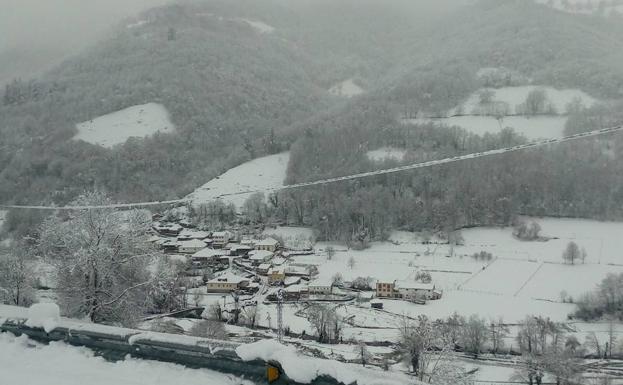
(414,166)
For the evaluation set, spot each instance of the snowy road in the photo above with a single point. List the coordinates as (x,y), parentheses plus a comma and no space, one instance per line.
(25,362)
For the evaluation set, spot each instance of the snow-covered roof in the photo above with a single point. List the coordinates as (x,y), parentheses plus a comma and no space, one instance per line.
(321,282)
(294,288)
(193,243)
(193,234)
(167,226)
(291,281)
(238,246)
(260,255)
(276,270)
(413,285)
(267,242)
(209,253)
(228,278)
(278,261)
(264,266)
(221,234)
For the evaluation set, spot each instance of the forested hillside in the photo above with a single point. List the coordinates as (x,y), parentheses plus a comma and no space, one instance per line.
(244,78)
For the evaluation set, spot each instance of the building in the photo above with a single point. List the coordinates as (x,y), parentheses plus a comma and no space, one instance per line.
(227,283)
(267,244)
(320,286)
(207,256)
(187,235)
(221,238)
(263,268)
(385,290)
(409,290)
(276,275)
(170,229)
(257,257)
(413,290)
(238,250)
(278,261)
(190,247)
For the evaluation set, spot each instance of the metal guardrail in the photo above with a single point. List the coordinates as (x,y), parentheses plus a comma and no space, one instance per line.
(203,353)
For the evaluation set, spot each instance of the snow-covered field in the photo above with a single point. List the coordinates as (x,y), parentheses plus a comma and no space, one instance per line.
(117,127)
(296,238)
(384,153)
(348,88)
(25,362)
(535,127)
(522,278)
(514,96)
(259,174)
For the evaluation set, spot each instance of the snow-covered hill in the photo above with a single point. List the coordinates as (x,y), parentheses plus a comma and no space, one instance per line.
(117,127)
(261,173)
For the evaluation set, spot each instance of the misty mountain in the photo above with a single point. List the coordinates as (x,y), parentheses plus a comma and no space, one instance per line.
(241,79)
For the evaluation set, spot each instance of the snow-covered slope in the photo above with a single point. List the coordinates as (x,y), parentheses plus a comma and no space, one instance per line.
(24,361)
(532,127)
(262,173)
(386,153)
(347,89)
(117,127)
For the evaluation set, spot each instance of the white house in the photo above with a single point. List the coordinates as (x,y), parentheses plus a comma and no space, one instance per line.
(226,283)
(268,244)
(320,286)
(191,246)
(221,238)
(412,290)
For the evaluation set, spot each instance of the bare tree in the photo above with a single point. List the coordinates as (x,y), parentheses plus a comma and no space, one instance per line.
(351,262)
(572,253)
(330,253)
(337,279)
(325,321)
(16,274)
(474,335)
(497,333)
(101,257)
(361,350)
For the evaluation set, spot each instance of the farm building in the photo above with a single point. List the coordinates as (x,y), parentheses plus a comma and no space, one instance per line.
(320,286)
(407,289)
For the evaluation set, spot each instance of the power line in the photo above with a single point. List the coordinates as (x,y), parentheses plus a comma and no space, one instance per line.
(392,170)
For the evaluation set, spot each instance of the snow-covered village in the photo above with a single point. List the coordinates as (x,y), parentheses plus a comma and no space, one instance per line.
(328,192)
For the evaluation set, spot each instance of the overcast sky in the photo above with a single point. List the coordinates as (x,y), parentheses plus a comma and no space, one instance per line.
(41,23)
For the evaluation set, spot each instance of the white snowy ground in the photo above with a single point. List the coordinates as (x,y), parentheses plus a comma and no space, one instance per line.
(25,362)
(384,153)
(296,238)
(262,173)
(535,127)
(348,88)
(117,127)
(523,278)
